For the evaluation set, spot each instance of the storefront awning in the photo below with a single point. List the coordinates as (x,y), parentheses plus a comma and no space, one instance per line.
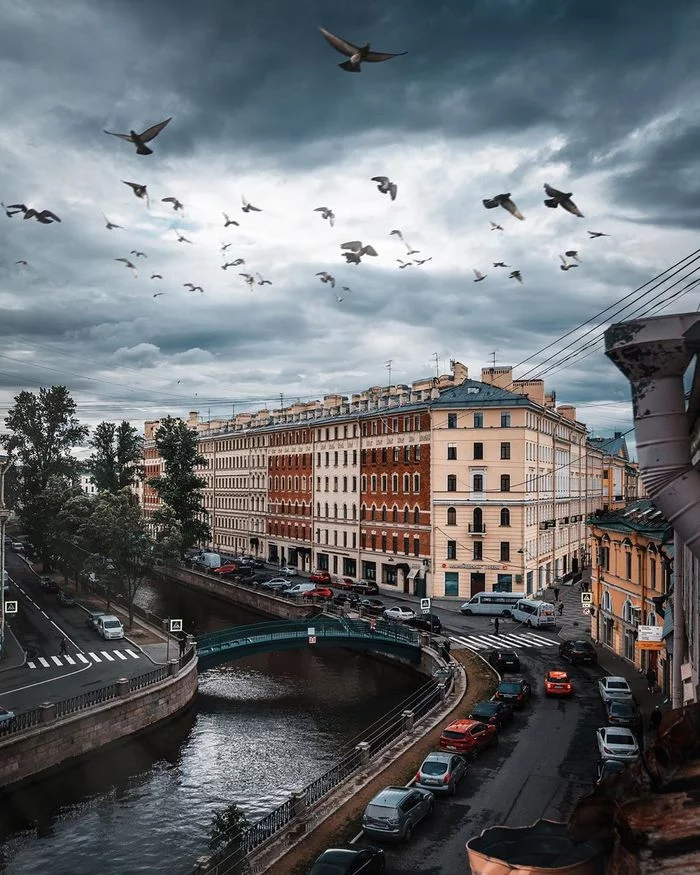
(413,573)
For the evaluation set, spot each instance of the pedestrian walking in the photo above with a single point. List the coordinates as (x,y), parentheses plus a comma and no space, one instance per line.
(561,608)
(651,679)
(496,626)
(655,719)
(556,593)
(183,644)
(63,646)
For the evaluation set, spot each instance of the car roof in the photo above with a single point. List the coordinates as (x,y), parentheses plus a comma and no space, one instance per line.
(339,855)
(578,641)
(489,704)
(616,678)
(462,725)
(110,617)
(557,673)
(624,730)
(391,795)
(438,756)
(505,652)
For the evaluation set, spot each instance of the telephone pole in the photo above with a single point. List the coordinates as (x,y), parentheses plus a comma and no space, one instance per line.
(436,356)
(388,367)
(281,401)
(493,363)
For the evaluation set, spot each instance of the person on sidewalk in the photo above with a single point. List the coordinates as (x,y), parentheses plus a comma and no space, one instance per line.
(651,679)
(496,626)
(556,593)
(183,644)
(561,608)
(63,646)
(655,719)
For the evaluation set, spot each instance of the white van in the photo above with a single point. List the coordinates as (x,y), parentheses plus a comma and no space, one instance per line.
(534,613)
(299,589)
(206,561)
(110,627)
(494,604)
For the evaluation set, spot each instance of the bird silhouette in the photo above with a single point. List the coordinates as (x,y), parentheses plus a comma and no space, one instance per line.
(156,276)
(386,186)
(109,225)
(227,265)
(193,288)
(248,207)
(594,234)
(496,227)
(566,265)
(556,198)
(13,209)
(177,205)
(420,261)
(180,238)
(505,201)
(158,294)
(515,275)
(263,282)
(356,54)
(500,264)
(225,246)
(249,279)
(22,261)
(45,217)
(138,254)
(572,253)
(327,278)
(327,214)
(141,191)
(357,250)
(140,140)
(129,264)
(228,221)
(478,275)
(403,264)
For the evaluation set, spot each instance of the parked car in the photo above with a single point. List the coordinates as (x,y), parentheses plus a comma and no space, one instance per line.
(495,713)
(347,598)
(468,737)
(607,769)
(92,618)
(343,582)
(289,570)
(322,577)
(426,623)
(109,627)
(441,772)
(372,606)
(227,569)
(617,743)
(47,584)
(399,612)
(396,811)
(514,691)
(298,589)
(621,712)
(365,587)
(17,546)
(258,563)
(578,652)
(319,592)
(276,583)
(504,660)
(558,683)
(611,687)
(65,599)
(349,861)
(6,716)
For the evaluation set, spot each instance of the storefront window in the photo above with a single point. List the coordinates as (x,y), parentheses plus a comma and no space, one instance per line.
(369,570)
(504,583)
(452,583)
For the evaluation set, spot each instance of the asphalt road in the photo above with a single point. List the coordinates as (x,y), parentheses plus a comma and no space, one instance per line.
(48,676)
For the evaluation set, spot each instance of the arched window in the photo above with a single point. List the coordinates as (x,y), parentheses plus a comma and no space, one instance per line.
(335,511)
(373,513)
(416,515)
(651,618)
(383,513)
(451,516)
(363,511)
(384,482)
(416,483)
(296,484)
(363,483)
(374,483)
(477,520)
(394,514)
(345,511)
(406,482)
(627,611)
(505,516)
(283,507)
(394,482)
(606,603)
(325,509)
(354,511)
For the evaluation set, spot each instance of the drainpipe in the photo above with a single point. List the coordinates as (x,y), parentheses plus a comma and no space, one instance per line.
(654,354)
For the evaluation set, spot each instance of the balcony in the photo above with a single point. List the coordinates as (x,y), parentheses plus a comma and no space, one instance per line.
(477,530)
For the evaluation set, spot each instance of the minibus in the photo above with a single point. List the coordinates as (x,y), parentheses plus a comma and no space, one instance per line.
(499,604)
(534,613)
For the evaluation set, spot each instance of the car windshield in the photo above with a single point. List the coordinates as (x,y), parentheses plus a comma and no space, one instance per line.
(380,811)
(509,688)
(618,738)
(111,624)
(485,709)
(617,685)
(450,733)
(507,654)
(432,767)
(581,645)
(622,709)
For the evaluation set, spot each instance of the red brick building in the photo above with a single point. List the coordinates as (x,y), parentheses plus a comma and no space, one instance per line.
(289,497)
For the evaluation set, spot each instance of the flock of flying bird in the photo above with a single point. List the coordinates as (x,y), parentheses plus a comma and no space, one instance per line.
(353,251)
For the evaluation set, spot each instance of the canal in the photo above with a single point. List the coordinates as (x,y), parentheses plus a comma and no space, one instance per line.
(261,728)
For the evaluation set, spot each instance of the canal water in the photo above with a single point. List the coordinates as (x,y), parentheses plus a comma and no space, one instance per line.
(262,727)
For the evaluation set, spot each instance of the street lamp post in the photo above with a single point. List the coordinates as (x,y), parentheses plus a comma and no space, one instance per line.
(4,515)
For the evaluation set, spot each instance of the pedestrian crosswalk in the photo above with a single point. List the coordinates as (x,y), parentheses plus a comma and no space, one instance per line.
(84,658)
(511,640)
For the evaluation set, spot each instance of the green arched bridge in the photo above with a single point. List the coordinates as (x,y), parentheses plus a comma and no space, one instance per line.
(227,645)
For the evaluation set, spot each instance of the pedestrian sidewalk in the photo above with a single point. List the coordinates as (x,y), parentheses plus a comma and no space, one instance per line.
(13,656)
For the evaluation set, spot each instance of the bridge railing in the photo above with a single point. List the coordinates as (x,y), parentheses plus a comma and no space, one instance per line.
(86,700)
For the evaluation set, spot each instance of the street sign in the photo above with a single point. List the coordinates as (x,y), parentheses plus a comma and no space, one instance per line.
(311,632)
(176,625)
(587,599)
(10,607)
(646,633)
(425,606)
(312,639)
(586,612)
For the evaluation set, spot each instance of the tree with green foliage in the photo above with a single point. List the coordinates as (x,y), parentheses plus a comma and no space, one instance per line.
(116,462)
(72,516)
(179,488)
(225,832)
(43,429)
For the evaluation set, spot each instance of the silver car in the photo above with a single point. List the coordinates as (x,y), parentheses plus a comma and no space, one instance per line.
(617,743)
(441,772)
(396,811)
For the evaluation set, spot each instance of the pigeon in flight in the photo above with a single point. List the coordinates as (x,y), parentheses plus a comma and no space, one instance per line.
(228,221)
(566,265)
(515,275)
(138,254)
(357,250)
(180,238)
(478,276)
(327,214)
(503,200)
(45,217)
(500,264)
(409,250)
(496,227)
(156,276)
(403,264)
(339,299)
(193,288)
(109,225)
(594,234)
(225,246)
(22,262)
(129,264)
(327,278)
(263,282)
(249,279)
(140,140)
(556,198)
(420,261)
(247,207)
(177,205)
(347,289)
(158,294)
(141,191)
(572,253)
(356,54)
(227,265)
(386,186)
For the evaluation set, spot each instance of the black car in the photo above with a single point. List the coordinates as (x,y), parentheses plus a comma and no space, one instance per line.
(349,861)
(48,585)
(494,712)
(347,598)
(504,660)
(372,606)
(620,712)
(426,623)
(515,692)
(607,769)
(578,652)
(365,587)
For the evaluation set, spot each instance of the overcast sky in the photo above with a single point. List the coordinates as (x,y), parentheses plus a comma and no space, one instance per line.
(597,98)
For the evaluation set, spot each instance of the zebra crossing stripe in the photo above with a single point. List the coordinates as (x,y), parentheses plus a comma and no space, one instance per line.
(542,639)
(44,662)
(521,640)
(94,657)
(119,654)
(31,665)
(465,643)
(83,658)
(132,654)
(69,659)
(57,661)
(107,656)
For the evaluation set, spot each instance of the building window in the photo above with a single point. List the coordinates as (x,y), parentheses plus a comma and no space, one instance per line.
(394,482)
(384,455)
(407,454)
(451,583)
(416,546)
(406,545)
(394,514)
(383,513)
(505,482)
(383,543)
(363,483)
(396,455)
(477,483)
(373,542)
(478,451)
(451,549)
(373,513)
(451,482)
(452,451)
(478,550)
(373,456)
(394,543)
(505,516)
(652,572)
(374,482)
(384,482)
(416,453)
(416,483)
(478,420)
(477,520)
(505,551)
(505,420)
(416,516)
(451,516)
(505,450)
(452,420)
(406,482)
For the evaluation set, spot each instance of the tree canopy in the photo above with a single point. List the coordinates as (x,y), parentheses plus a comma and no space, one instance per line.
(116,462)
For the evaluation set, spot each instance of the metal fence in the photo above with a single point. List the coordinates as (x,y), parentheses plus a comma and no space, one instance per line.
(149,678)
(86,700)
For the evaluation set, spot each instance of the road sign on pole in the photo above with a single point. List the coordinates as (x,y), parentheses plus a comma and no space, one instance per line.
(312,639)
(425,606)
(587,599)
(10,607)
(586,612)
(176,625)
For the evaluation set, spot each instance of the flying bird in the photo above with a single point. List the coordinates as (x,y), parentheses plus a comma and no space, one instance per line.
(357,250)
(556,198)
(129,264)
(247,207)
(141,191)
(386,186)
(496,227)
(572,253)
(249,279)
(45,217)
(177,205)
(326,277)
(228,221)
(566,265)
(109,225)
(516,275)
(347,289)
(403,264)
(138,254)
(156,276)
(140,140)
(263,282)
(235,263)
(339,299)
(180,238)
(500,264)
(158,294)
(503,200)
(225,246)
(193,288)
(356,54)
(594,234)
(22,261)
(12,209)
(478,276)
(409,251)
(327,214)
(420,261)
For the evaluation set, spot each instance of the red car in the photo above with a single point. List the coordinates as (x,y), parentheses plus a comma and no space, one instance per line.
(320,577)
(468,736)
(557,683)
(321,592)
(229,568)
(344,582)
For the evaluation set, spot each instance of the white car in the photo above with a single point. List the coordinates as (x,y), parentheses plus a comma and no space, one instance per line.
(276,583)
(617,743)
(299,589)
(289,570)
(614,688)
(110,627)
(399,612)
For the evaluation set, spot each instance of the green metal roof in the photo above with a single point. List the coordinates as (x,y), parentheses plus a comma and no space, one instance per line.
(472,393)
